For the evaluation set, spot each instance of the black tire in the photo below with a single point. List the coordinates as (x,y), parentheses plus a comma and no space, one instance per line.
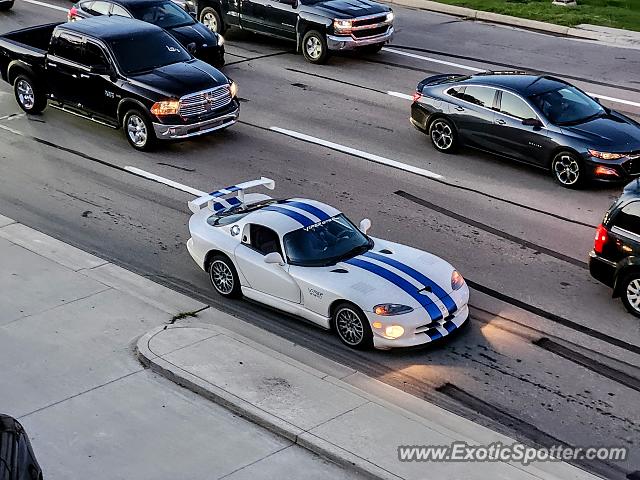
(370,49)
(28,94)
(314,47)
(138,129)
(630,293)
(6,6)
(443,135)
(210,17)
(568,170)
(352,326)
(224,277)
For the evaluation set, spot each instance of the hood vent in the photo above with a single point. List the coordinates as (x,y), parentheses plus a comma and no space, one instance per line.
(426,289)
(386,251)
(339,270)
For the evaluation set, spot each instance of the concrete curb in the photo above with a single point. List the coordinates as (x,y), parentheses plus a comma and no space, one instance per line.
(471,14)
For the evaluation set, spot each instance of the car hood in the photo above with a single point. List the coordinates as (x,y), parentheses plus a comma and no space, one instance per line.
(181,79)
(612,131)
(350,8)
(196,33)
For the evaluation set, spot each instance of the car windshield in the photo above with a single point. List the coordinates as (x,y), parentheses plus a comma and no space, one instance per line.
(325,243)
(159,49)
(567,105)
(165,15)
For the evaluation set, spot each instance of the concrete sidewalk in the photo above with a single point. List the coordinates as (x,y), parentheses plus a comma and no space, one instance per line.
(68,325)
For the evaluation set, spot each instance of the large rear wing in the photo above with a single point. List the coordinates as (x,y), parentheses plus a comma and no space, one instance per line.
(216,202)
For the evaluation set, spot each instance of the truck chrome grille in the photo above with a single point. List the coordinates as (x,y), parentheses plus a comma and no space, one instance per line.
(204,102)
(374,19)
(370,32)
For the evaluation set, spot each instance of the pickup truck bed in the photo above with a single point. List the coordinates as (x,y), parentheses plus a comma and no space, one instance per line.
(28,45)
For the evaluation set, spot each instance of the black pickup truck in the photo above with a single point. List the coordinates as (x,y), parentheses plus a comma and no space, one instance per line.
(318,27)
(119,72)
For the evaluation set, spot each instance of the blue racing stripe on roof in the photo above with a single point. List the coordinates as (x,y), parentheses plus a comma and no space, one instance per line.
(426,281)
(301,219)
(397,280)
(219,205)
(309,208)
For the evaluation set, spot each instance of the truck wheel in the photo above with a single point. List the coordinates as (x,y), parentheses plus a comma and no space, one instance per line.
(28,95)
(210,17)
(314,47)
(139,130)
(6,6)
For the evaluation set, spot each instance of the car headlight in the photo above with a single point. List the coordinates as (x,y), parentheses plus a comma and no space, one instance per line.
(387,309)
(457,282)
(233,88)
(606,155)
(220,40)
(389,18)
(389,331)
(342,26)
(166,107)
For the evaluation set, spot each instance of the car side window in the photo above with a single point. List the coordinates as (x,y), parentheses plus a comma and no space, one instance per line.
(457,92)
(119,11)
(94,56)
(100,8)
(513,105)
(68,46)
(482,96)
(264,240)
(629,218)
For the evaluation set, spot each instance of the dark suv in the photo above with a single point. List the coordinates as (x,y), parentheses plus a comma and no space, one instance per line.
(615,258)
(17,461)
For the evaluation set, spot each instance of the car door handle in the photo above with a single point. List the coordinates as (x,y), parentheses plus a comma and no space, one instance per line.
(84,75)
(499,121)
(52,64)
(459,108)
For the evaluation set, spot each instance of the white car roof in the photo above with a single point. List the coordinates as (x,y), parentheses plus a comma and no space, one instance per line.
(292,214)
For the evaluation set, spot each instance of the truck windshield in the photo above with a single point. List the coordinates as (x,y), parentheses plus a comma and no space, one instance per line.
(165,15)
(159,49)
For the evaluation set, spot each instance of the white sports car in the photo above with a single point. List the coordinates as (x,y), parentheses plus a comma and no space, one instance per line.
(306,258)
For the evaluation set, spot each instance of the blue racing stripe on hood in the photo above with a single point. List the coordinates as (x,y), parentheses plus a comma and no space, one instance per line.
(309,208)
(301,219)
(426,281)
(398,281)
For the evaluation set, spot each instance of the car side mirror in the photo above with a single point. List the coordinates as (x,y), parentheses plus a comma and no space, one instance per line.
(273,257)
(532,122)
(365,225)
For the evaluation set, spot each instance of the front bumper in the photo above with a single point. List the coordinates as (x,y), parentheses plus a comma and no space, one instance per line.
(623,169)
(602,270)
(348,42)
(177,132)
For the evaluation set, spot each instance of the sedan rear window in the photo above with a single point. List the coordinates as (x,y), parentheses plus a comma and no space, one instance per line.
(629,218)
(160,49)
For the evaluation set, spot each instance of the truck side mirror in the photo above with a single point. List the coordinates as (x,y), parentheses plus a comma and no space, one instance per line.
(532,122)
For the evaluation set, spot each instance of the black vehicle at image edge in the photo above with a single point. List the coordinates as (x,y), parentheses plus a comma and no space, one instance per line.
(539,120)
(95,69)
(615,258)
(201,42)
(17,461)
(6,5)
(318,27)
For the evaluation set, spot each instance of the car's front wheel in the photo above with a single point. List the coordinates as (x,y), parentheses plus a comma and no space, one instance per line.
(631,293)
(443,135)
(224,277)
(210,17)
(139,130)
(352,326)
(28,94)
(314,47)
(568,170)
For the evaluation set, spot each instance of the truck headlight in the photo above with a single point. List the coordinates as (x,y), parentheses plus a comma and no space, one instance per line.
(342,26)
(457,281)
(233,88)
(166,107)
(387,309)
(389,18)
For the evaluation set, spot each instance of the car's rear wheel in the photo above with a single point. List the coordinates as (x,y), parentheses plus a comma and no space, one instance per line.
(224,277)
(443,135)
(314,47)
(28,95)
(568,170)
(631,293)
(352,326)
(139,130)
(210,17)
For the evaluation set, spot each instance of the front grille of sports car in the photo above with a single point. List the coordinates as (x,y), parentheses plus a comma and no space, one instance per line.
(204,102)
(359,22)
(370,32)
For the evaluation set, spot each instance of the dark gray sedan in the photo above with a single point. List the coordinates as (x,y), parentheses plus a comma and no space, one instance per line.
(540,120)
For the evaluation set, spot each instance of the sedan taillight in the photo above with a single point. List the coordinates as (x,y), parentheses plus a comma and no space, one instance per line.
(602,237)
(417,96)
(72,15)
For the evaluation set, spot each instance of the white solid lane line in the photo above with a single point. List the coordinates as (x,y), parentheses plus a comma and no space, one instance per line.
(359,153)
(48,5)
(474,69)
(165,181)
(404,96)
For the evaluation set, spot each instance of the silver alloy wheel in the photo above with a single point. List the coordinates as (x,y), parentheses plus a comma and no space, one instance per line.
(221,277)
(349,326)
(633,294)
(567,170)
(441,135)
(210,21)
(137,130)
(313,47)
(25,94)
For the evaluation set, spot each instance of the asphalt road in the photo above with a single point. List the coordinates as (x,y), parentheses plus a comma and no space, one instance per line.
(568,370)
